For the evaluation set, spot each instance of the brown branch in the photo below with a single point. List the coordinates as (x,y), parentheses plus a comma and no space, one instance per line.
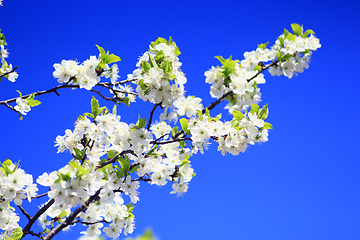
(32,220)
(69,220)
(24,212)
(151,115)
(89,223)
(114,159)
(3,75)
(170,141)
(54,89)
(39,196)
(141,179)
(263,69)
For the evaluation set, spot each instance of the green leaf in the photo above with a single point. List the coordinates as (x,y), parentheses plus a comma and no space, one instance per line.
(264,112)
(254,108)
(33,103)
(170,41)
(238,115)
(114,110)
(232,99)
(174,131)
(31,97)
(141,123)
(7,162)
(134,169)
(142,85)
(94,106)
(101,51)
(267,126)
(263,45)
(125,164)
(177,51)
(20,95)
(200,114)
(221,59)
(185,125)
(152,61)
(126,100)
(286,32)
(145,66)
(257,68)
(307,32)
(112,58)
(229,64)
(218,117)
(159,56)
(88,115)
(297,29)
(111,154)
(290,37)
(130,207)
(182,144)
(16,234)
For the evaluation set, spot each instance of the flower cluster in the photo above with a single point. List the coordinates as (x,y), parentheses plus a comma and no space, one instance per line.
(295,52)
(71,72)
(110,158)
(15,185)
(159,77)
(130,148)
(6,70)
(88,74)
(289,55)
(232,136)
(240,81)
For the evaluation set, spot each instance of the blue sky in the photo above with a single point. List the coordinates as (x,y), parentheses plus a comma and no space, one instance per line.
(304,183)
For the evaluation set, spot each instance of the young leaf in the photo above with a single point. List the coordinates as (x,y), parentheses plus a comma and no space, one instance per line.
(94,106)
(297,29)
(267,126)
(263,45)
(238,115)
(185,125)
(33,103)
(159,56)
(221,59)
(264,112)
(254,108)
(174,131)
(145,66)
(307,32)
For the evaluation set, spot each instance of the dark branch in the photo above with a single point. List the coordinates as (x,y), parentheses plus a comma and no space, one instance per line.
(69,220)
(26,229)
(13,70)
(151,115)
(114,159)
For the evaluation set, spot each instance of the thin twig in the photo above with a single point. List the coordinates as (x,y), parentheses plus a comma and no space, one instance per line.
(12,70)
(114,159)
(151,115)
(68,221)
(24,212)
(32,220)
(170,141)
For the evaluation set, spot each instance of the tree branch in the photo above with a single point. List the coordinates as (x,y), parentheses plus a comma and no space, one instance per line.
(3,75)
(26,229)
(151,115)
(69,220)
(54,89)
(115,158)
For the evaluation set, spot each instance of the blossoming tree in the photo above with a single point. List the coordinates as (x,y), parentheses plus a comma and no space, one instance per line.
(98,188)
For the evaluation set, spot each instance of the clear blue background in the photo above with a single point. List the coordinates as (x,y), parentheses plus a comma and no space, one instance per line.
(302,184)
